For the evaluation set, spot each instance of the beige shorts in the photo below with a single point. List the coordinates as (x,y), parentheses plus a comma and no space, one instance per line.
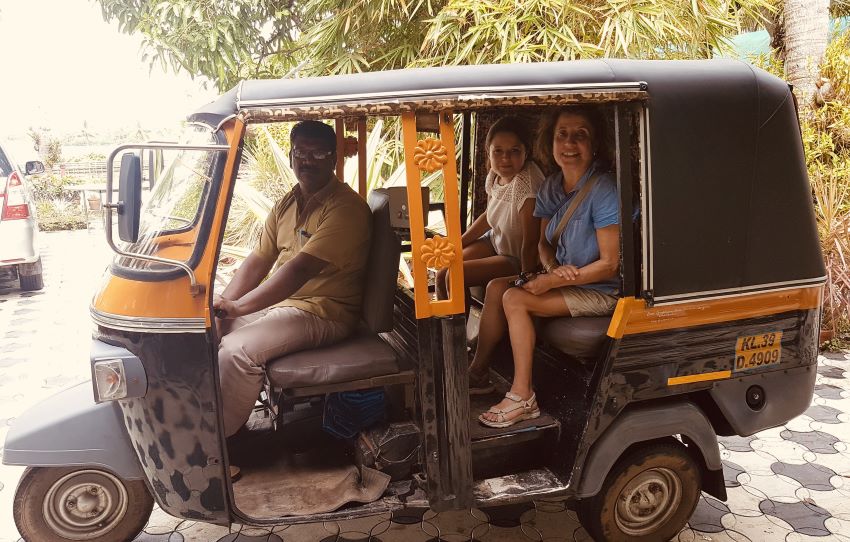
(587,302)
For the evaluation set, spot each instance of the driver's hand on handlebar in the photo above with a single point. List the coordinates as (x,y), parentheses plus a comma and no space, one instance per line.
(224,308)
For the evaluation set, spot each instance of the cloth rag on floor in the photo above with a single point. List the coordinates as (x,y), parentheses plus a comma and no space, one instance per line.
(291,489)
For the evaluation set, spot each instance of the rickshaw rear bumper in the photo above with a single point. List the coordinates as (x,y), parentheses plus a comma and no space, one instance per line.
(783,395)
(70,429)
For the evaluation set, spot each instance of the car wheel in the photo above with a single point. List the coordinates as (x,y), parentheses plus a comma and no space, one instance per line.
(29,275)
(73,503)
(648,495)
(31,282)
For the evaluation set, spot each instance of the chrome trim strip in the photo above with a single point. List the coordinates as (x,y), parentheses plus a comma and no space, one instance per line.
(148,325)
(736,292)
(646,200)
(437,92)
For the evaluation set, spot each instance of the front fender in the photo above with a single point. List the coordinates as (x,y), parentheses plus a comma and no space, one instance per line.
(70,429)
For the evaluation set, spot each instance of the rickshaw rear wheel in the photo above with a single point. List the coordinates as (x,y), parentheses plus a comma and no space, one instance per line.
(649,495)
(79,503)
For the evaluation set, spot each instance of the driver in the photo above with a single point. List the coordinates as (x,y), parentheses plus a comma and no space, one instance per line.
(316,243)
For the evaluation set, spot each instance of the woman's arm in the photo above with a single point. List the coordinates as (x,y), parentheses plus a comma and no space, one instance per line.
(530,236)
(547,252)
(606,267)
(479,227)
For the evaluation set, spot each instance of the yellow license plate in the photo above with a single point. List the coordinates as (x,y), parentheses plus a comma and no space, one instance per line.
(753,351)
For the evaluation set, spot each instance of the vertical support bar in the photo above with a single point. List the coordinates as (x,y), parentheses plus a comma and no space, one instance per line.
(362,172)
(456,443)
(444,398)
(622,135)
(417,224)
(450,248)
(465,168)
(340,149)
(429,341)
(456,303)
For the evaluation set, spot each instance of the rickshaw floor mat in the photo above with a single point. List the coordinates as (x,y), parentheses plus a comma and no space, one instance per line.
(478,404)
(307,483)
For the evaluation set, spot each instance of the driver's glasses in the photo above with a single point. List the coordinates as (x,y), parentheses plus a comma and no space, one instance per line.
(306,154)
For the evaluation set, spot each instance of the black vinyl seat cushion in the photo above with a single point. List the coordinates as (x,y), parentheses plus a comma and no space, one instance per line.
(357,358)
(581,337)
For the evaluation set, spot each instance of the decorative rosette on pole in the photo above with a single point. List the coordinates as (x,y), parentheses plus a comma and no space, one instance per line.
(438,252)
(430,155)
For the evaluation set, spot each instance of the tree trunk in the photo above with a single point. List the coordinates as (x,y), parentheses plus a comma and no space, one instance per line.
(806,26)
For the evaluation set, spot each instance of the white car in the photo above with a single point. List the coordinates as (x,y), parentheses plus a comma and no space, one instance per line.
(19,253)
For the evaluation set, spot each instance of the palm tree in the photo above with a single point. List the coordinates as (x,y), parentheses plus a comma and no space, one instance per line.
(806,32)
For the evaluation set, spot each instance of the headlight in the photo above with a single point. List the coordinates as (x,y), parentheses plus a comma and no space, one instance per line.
(110,380)
(116,373)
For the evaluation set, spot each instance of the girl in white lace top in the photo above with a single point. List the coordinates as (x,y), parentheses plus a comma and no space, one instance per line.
(503,241)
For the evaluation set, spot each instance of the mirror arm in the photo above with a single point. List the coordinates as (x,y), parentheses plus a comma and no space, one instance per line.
(194,287)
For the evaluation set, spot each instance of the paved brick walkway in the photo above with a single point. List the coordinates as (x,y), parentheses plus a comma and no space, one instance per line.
(790,483)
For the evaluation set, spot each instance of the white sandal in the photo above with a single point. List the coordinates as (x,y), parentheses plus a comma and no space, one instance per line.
(527,408)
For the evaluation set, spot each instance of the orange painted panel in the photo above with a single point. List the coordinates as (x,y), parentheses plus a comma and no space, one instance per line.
(173,298)
(633,316)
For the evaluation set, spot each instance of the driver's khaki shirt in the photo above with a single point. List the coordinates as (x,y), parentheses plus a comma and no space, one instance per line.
(335,226)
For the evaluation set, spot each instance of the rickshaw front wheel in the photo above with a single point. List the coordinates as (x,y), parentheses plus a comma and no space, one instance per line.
(78,503)
(649,495)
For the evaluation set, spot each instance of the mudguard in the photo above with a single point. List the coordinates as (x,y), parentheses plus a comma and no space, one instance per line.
(643,424)
(70,429)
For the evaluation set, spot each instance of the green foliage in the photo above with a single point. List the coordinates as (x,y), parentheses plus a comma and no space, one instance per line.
(223,40)
(47,146)
(58,214)
(228,41)
(826,136)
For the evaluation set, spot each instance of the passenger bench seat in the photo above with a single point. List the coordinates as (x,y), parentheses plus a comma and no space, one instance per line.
(581,337)
(364,356)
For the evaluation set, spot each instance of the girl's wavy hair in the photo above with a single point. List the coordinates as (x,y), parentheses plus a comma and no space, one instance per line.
(546,134)
(511,125)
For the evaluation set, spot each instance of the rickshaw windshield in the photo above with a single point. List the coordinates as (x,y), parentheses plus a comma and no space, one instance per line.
(174,208)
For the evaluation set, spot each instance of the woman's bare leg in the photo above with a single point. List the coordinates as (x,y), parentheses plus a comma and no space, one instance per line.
(480,248)
(520,306)
(492,326)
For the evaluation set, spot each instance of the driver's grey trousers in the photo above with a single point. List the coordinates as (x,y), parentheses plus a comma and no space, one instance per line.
(254,340)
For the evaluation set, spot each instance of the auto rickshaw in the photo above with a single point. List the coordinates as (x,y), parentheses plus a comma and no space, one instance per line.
(715,331)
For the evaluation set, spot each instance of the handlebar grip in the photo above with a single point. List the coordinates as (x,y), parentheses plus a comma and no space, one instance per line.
(220,313)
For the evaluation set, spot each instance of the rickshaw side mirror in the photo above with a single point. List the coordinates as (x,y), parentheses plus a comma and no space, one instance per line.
(129,197)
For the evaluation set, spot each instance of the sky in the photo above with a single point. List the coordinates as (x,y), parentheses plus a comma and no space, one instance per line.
(62,65)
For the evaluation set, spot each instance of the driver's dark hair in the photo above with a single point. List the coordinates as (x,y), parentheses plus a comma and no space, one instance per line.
(314,129)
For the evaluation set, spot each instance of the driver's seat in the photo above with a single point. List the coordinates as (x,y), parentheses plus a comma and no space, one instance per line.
(363,360)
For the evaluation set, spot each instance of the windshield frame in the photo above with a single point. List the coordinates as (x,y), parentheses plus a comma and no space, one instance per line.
(206,211)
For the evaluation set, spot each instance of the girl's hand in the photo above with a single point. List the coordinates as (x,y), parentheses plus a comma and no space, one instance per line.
(567,272)
(539,285)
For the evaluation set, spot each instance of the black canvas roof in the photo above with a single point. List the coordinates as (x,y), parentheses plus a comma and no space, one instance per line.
(661,76)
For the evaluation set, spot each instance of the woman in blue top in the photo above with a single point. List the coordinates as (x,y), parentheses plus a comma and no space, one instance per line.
(582,264)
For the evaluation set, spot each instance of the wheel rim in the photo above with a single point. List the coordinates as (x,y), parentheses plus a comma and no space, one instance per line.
(85,504)
(648,501)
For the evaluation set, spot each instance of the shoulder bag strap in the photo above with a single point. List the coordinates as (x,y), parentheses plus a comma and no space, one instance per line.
(577,199)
